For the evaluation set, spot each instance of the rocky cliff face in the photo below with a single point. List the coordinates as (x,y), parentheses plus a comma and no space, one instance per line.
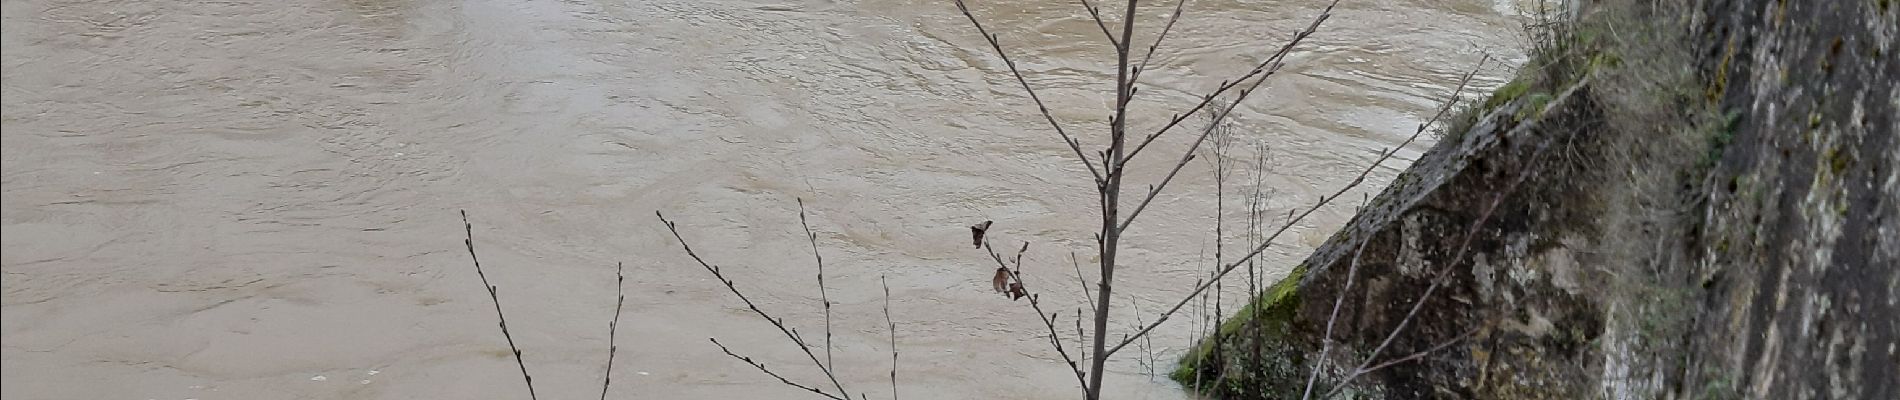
(1700,204)
(1800,252)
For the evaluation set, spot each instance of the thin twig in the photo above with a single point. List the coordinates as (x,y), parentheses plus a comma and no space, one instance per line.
(1148,355)
(1323,201)
(1326,342)
(1464,247)
(1264,69)
(1421,353)
(613,327)
(1096,13)
(892,328)
(1202,287)
(761,367)
(1362,370)
(1201,334)
(1073,262)
(1223,141)
(1081,349)
(1254,284)
(1220,115)
(469,229)
(1035,303)
(1158,38)
(822,293)
(1438,278)
(1074,145)
(776,322)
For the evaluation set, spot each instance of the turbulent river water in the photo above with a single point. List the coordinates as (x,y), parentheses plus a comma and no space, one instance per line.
(258,199)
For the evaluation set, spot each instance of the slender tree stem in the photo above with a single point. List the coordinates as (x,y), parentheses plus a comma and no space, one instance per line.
(823,294)
(1111,202)
(892,328)
(469,229)
(613,327)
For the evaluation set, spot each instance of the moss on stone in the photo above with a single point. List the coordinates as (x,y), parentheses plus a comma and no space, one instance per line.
(1275,307)
(1533,106)
(1506,94)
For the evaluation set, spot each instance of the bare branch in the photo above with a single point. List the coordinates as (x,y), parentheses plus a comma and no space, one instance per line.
(789,333)
(761,368)
(1124,92)
(469,229)
(1271,66)
(1158,38)
(1255,204)
(1074,145)
(1081,281)
(1263,70)
(1153,191)
(1035,303)
(1096,13)
(1146,346)
(892,328)
(1420,353)
(613,327)
(1362,370)
(822,295)
(1081,349)
(1326,342)
(1323,201)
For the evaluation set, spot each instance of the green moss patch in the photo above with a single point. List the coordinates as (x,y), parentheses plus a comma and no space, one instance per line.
(1265,322)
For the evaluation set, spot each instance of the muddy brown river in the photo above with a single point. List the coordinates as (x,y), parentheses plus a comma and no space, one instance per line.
(258,199)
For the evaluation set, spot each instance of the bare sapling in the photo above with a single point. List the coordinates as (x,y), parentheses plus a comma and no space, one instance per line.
(1109,167)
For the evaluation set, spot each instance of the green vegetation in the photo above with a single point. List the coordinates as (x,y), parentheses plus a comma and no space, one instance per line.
(1533,106)
(1276,308)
